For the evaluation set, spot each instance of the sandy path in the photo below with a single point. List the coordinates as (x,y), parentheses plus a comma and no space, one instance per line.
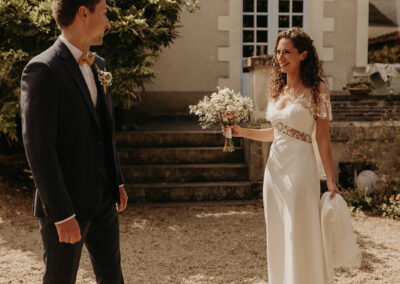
(189,244)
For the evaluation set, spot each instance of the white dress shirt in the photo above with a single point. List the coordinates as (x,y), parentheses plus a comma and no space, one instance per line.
(85,69)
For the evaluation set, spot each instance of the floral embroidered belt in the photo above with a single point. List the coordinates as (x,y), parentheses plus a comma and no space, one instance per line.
(283,128)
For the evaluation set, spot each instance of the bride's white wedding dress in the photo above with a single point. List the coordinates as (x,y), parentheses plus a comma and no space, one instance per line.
(292,193)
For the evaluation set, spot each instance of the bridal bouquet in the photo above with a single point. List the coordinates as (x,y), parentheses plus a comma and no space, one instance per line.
(223,107)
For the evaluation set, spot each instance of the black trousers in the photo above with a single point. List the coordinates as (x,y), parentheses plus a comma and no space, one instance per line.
(100,236)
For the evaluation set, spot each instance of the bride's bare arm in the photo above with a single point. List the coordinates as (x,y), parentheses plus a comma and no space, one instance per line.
(323,139)
(325,151)
(263,135)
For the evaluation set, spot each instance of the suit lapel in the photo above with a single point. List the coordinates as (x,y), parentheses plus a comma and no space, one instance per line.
(73,68)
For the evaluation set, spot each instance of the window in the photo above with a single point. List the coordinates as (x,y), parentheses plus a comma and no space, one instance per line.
(255,27)
(263,19)
(290,14)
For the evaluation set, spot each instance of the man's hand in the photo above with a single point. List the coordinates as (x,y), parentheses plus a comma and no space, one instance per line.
(69,232)
(124,199)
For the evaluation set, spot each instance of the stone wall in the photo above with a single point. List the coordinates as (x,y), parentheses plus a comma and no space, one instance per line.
(340,132)
(347,107)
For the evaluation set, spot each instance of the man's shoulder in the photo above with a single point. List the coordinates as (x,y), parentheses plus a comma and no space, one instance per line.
(47,57)
(44,65)
(48,61)
(39,64)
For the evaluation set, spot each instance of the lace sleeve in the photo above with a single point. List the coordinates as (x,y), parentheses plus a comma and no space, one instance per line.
(323,110)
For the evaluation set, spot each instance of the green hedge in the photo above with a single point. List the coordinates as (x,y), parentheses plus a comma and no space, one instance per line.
(140,29)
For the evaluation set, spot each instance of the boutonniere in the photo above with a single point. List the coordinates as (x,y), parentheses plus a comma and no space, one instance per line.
(105,78)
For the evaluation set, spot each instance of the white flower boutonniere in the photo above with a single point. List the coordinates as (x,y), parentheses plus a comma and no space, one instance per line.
(105,78)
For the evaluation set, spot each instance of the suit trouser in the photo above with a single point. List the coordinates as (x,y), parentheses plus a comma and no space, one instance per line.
(100,236)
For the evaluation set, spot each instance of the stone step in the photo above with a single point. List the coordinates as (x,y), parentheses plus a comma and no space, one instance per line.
(185,173)
(361,114)
(357,119)
(360,106)
(171,139)
(195,191)
(362,110)
(361,117)
(179,155)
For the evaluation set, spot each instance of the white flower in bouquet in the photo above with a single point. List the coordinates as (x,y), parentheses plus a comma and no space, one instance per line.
(223,107)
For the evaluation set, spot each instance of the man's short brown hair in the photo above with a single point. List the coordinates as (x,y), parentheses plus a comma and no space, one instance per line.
(64,11)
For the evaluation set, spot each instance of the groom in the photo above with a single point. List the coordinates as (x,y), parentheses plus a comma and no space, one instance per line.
(69,140)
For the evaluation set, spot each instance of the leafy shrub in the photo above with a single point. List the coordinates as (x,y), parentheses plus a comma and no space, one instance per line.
(140,29)
(392,208)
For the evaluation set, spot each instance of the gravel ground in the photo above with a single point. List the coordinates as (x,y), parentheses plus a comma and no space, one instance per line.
(193,243)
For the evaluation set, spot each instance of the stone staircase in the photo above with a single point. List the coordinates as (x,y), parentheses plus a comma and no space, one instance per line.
(182,165)
(347,107)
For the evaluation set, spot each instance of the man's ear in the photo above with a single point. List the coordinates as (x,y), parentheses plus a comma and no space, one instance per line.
(304,55)
(82,13)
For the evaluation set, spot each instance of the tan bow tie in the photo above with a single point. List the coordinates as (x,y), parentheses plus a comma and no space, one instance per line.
(89,59)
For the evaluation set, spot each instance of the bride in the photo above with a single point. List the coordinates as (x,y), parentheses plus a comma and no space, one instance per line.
(298,103)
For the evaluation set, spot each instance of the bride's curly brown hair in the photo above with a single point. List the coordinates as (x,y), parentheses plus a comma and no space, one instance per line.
(310,68)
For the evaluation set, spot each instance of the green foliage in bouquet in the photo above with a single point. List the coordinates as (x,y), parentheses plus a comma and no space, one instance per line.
(140,29)
(224,107)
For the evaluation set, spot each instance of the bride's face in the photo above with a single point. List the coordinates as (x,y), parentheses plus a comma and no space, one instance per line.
(288,56)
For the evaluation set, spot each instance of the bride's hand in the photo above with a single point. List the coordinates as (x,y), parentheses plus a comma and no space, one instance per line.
(237,131)
(333,189)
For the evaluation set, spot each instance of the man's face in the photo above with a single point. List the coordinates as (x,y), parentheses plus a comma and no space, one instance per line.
(97,23)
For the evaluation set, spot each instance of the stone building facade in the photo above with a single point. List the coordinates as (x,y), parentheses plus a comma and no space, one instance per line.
(214,39)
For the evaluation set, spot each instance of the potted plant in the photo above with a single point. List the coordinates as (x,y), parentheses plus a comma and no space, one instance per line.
(359,86)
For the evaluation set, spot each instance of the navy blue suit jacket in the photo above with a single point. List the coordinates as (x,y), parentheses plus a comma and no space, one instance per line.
(63,138)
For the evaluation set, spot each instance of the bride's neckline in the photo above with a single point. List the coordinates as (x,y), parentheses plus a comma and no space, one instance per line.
(289,99)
